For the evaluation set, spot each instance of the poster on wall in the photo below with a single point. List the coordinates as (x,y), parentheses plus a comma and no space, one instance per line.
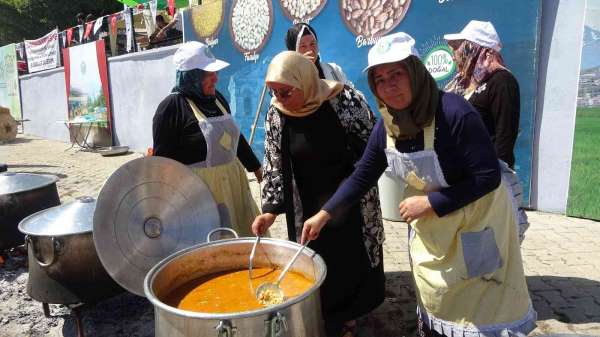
(584,200)
(43,53)
(10,96)
(249,38)
(86,79)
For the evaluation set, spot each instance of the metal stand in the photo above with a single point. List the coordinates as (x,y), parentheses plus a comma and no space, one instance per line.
(74,311)
(83,143)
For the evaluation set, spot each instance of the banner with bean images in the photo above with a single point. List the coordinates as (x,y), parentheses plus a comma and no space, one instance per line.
(249,33)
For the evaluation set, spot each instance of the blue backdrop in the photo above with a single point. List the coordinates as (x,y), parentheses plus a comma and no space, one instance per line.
(517,23)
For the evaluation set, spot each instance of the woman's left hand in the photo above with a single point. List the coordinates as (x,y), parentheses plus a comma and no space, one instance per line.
(415,207)
(258,174)
(312,226)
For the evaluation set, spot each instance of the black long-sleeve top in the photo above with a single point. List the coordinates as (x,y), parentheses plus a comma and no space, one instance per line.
(498,101)
(177,135)
(464,150)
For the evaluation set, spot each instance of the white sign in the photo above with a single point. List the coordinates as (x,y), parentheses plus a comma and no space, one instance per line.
(43,53)
(439,62)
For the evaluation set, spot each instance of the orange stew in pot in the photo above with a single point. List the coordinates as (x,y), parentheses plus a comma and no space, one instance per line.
(232,292)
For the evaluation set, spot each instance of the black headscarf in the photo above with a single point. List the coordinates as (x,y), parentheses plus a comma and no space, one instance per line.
(291,39)
(188,83)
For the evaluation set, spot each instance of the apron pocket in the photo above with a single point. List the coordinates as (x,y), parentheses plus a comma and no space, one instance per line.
(480,252)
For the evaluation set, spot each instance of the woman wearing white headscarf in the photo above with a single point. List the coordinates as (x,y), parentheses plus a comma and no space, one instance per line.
(463,245)
(314,133)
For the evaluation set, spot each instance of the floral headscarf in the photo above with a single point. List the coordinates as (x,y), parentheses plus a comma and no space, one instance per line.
(475,64)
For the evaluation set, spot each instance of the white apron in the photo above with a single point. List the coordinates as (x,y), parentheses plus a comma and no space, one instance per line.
(222,171)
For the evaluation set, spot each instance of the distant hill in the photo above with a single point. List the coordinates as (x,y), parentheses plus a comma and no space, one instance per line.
(595,70)
(590,56)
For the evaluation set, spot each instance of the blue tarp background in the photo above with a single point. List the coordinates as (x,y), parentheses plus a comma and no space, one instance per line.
(517,23)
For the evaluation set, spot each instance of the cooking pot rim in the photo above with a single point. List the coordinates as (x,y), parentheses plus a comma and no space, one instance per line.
(51,179)
(149,280)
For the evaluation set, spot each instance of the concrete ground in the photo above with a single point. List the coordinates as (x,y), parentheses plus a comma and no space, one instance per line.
(561,255)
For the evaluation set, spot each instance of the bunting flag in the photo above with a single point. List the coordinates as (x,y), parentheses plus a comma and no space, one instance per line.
(128,29)
(171,7)
(63,39)
(98,25)
(113,23)
(153,9)
(80,29)
(88,29)
(69,36)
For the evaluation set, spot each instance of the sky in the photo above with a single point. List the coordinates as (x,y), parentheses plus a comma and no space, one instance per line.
(592,17)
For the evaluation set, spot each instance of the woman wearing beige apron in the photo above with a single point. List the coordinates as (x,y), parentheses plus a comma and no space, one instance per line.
(193,125)
(463,241)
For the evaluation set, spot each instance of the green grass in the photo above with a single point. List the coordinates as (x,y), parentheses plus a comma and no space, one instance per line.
(584,189)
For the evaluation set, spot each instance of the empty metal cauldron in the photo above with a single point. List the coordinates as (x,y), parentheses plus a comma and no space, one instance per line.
(22,194)
(63,264)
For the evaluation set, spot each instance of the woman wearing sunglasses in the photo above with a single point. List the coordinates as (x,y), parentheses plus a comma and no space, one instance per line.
(315,132)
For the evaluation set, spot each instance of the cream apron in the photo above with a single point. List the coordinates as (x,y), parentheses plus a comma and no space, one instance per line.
(222,171)
(466,265)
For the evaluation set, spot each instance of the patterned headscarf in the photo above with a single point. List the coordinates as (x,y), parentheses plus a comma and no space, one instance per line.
(475,64)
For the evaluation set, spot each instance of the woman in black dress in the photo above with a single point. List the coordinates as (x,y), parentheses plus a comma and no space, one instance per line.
(314,133)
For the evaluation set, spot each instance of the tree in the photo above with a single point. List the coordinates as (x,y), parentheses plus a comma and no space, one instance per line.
(31,19)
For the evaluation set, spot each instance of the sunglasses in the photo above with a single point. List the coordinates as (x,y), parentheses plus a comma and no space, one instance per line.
(281,94)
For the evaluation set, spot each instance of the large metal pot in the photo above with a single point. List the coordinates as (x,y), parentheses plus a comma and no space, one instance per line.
(298,317)
(22,194)
(63,264)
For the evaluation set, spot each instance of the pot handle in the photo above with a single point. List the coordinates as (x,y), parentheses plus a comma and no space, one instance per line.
(276,326)
(56,245)
(221,229)
(225,329)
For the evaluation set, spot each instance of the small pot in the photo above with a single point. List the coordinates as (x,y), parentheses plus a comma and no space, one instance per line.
(63,264)
(298,317)
(22,194)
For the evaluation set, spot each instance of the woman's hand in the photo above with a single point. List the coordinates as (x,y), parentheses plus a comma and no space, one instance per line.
(415,207)
(259,175)
(262,223)
(313,226)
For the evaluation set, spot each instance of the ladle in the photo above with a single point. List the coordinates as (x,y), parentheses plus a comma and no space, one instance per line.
(270,293)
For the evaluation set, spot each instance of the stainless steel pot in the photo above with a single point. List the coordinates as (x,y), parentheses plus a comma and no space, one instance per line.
(22,194)
(63,264)
(298,317)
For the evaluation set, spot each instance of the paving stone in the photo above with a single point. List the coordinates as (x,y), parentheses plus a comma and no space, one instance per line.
(561,255)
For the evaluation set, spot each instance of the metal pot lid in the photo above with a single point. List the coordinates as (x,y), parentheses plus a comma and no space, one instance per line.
(13,182)
(72,218)
(148,209)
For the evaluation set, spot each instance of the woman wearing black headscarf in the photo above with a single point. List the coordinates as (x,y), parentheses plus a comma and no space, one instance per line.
(193,125)
(302,38)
